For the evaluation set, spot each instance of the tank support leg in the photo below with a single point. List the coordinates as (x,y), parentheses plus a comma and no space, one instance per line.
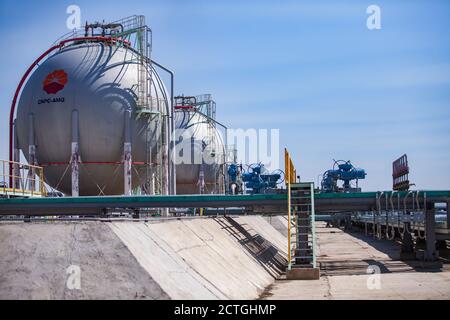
(75,158)
(127,160)
(32,153)
(201,179)
(16,159)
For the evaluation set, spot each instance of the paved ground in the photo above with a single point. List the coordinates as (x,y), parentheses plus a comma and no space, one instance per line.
(345,259)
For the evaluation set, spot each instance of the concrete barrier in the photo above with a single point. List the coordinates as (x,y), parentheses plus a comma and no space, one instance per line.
(220,258)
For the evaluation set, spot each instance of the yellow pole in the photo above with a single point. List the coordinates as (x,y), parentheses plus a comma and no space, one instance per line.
(286,166)
(289,224)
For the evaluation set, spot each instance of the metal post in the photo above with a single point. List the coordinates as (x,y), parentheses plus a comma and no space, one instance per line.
(75,158)
(448,215)
(430,222)
(127,160)
(407,248)
(165,158)
(288,186)
(16,159)
(171,129)
(31,152)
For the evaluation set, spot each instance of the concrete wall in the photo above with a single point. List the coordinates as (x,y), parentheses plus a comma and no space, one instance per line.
(34,258)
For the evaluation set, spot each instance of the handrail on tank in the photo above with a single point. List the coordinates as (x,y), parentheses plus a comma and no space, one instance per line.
(27,73)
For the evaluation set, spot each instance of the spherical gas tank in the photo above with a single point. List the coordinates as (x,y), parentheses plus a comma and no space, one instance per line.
(100,81)
(196,137)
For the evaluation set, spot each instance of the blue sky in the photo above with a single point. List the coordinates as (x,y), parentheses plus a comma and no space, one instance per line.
(309,68)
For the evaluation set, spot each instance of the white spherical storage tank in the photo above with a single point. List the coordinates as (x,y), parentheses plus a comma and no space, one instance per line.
(200,154)
(98,80)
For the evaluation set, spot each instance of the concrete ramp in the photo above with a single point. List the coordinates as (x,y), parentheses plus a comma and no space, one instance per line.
(279,222)
(221,258)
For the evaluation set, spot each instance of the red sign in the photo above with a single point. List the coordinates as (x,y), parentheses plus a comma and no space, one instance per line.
(400,171)
(55,81)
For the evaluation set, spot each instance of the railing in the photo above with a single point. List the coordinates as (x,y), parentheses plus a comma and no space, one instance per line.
(313,227)
(27,180)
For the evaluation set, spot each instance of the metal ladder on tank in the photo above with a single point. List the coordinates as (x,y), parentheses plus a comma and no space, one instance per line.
(301,226)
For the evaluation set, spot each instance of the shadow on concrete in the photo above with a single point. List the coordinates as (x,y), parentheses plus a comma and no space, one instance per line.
(260,248)
(394,263)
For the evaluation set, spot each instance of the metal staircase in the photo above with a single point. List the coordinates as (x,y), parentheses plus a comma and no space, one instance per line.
(301,228)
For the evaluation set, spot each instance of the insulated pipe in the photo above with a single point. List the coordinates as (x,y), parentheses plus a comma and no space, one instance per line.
(75,158)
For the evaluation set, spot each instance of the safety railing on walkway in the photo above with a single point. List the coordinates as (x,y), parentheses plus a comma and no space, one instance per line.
(25,181)
(301,219)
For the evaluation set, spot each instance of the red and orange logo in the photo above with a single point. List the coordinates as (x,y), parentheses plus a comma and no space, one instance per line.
(55,81)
